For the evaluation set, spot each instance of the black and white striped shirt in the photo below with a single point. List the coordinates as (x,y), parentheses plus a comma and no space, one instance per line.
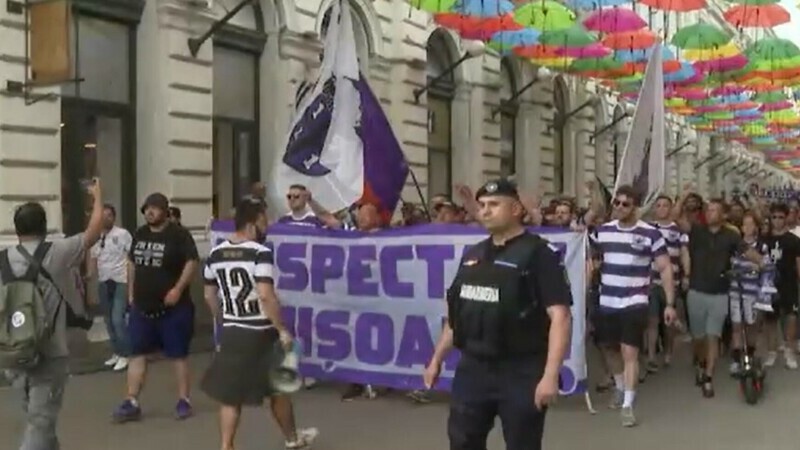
(236,269)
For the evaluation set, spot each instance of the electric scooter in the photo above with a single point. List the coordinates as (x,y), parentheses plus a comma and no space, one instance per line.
(751,372)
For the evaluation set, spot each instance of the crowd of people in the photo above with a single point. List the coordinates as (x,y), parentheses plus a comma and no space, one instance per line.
(656,275)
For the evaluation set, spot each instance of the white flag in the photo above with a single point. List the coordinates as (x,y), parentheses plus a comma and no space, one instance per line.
(323,151)
(644,158)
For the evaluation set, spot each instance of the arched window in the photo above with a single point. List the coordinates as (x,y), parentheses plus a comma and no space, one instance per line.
(359,33)
(561,104)
(620,136)
(508,120)
(440,100)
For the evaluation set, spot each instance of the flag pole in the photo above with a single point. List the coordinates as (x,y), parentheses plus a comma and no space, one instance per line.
(419,192)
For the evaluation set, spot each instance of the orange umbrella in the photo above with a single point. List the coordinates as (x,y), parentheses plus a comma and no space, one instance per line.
(757,16)
(670,66)
(538,51)
(675,5)
(638,39)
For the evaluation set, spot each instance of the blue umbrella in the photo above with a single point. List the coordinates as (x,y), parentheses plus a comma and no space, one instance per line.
(483,8)
(642,54)
(595,4)
(687,71)
(735,98)
(507,40)
(747,113)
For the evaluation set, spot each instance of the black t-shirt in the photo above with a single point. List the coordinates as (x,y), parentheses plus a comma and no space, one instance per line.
(710,254)
(159,258)
(784,250)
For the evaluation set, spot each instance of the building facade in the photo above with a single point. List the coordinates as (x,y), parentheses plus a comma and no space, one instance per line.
(148,115)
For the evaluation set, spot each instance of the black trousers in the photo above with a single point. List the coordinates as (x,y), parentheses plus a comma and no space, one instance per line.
(483,390)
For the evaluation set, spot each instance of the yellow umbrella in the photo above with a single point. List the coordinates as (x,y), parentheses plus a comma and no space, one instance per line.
(556,63)
(726,51)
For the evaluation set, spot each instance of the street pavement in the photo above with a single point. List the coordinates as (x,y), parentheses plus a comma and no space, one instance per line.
(672,414)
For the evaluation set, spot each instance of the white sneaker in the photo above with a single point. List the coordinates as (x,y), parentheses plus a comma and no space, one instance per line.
(769,361)
(111,361)
(122,364)
(309,382)
(791,360)
(305,437)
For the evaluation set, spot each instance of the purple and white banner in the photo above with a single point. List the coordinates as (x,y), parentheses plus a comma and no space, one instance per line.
(369,308)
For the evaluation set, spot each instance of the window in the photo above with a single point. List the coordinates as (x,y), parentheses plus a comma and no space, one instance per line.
(235,152)
(440,97)
(508,120)
(97,118)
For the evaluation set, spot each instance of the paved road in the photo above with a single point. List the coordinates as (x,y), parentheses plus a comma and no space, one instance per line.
(673,416)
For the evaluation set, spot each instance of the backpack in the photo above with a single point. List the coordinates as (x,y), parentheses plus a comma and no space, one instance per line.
(25,325)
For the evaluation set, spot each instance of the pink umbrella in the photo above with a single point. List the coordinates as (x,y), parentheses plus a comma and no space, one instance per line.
(724,91)
(614,20)
(692,94)
(595,50)
(777,106)
(709,108)
(735,62)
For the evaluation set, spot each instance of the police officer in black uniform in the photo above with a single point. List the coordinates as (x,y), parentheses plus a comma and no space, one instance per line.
(509,315)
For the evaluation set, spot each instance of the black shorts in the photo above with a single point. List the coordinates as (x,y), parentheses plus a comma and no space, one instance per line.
(239,373)
(626,326)
(786,301)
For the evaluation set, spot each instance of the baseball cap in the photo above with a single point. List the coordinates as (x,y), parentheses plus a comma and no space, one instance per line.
(500,187)
(157,200)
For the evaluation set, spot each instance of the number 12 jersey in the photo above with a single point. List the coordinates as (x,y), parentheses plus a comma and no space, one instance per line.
(236,269)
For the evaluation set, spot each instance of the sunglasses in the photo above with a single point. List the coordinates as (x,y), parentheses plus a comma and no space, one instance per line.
(292,196)
(778,217)
(619,203)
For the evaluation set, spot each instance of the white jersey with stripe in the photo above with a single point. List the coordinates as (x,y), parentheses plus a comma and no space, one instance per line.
(236,269)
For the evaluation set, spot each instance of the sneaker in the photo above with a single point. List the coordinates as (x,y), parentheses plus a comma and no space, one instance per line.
(309,383)
(128,411)
(353,392)
(111,361)
(652,367)
(616,400)
(419,396)
(769,361)
(370,393)
(305,437)
(628,419)
(121,364)
(183,410)
(791,360)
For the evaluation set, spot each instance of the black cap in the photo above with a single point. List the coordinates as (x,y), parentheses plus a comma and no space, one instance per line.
(500,187)
(157,200)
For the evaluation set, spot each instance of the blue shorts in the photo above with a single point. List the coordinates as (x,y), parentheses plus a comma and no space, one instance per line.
(171,333)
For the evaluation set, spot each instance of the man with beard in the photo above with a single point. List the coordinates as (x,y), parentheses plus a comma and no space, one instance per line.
(161,265)
(241,268)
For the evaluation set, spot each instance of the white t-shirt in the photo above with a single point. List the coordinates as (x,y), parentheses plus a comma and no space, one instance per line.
(111,252)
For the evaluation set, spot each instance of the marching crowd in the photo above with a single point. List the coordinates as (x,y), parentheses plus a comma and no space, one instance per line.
(653,279)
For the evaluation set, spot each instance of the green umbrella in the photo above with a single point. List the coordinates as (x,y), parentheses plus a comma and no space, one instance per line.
(770,97)
(545,15)
(591,64)
(770,65)
(700,36)
(434,6)
(576,36)
(719,115)
(755,2)
(772,48)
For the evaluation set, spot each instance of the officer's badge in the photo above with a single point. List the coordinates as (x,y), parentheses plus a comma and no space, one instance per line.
(491,188)
(470,262)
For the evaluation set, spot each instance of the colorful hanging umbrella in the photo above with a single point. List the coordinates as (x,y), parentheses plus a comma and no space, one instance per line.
(755,2)
(777,106)
(595,50)
(770,65)
(703,54)
(614,20)
(504,41)
(555,63)
(575,36)
(594,4)
(475,27)
(631,40)
(594,64)
(765,16)
(722,65)
(772,48)
(483,8)
(675,5)
(433,6)
(538,51)
(700,36)
(545,15)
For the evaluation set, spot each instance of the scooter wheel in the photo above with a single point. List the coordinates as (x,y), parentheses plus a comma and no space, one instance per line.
(751,389)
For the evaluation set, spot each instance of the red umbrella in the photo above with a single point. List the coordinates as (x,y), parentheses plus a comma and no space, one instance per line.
(675,5)
(478,28)
(639,39)
(757,16)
